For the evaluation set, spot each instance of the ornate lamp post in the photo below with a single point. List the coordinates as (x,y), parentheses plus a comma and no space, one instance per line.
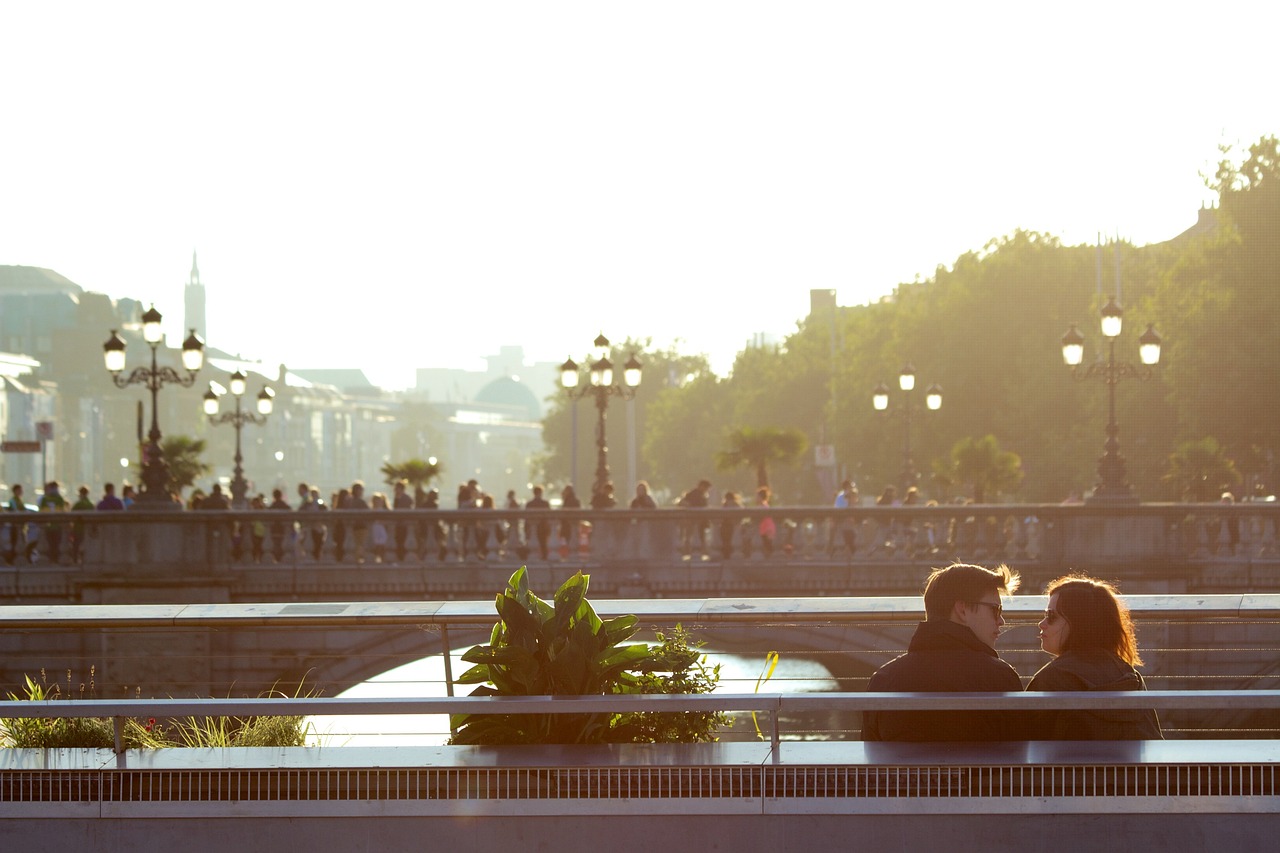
(932,401)
(155,471)
(238,418)
(1112,485)
(602,388)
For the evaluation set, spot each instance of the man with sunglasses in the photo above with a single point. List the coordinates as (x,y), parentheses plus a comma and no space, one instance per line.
(952,651)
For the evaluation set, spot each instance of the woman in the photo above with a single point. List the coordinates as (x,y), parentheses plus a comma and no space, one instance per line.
(768,529)
(569,500)
(1088,631)
(731,501)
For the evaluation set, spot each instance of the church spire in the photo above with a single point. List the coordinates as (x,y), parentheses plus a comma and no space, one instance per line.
(194,300)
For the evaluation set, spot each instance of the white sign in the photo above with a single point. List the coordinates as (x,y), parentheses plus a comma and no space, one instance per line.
(824,455)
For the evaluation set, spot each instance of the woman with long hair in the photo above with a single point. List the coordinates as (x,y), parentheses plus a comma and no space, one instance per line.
(1088,630)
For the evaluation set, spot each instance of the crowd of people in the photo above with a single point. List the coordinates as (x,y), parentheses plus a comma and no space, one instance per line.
(23,540)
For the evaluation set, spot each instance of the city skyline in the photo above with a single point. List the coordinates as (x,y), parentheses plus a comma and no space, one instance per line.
(419,185)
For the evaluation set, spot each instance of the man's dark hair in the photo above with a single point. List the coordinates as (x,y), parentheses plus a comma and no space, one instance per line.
(964,582)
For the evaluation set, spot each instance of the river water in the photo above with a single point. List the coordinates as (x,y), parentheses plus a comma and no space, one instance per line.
(425,678)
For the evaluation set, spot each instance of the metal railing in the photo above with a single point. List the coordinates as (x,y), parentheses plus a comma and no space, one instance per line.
(776,705)
(1205,648)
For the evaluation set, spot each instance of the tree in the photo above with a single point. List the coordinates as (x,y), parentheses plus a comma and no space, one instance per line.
(1220,303)
(1200,470)
(981,464)
(756,447)
(416,472)
(568,429)
(182,454)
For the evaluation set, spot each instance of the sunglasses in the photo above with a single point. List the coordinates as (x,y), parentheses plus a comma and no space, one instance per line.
(1052,616)
(997,609)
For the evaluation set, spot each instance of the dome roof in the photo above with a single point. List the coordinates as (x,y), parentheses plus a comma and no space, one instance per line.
(508,391)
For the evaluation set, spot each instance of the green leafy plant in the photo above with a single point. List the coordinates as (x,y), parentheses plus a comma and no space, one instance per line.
(99,733)
(563,648)
(244,731)
(676,666)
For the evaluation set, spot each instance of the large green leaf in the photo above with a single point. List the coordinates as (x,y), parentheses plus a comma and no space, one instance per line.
(522,628)
(474,675)
(505,655)
(632,653)
(568,599)
(518,584)
(571,671)
(586,613)
(620,628)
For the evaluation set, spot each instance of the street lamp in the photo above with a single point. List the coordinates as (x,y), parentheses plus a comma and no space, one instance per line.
(155,471)
(238,418)
(932,401)
(1112,485)
(601,386)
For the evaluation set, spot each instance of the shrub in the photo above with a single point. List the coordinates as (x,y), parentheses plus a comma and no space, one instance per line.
(563,648)
(99,733)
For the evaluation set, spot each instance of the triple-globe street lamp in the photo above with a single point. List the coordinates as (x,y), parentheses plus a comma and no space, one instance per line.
(601,387)
(932,401)
(238,418)
(155,471)
(1112,485)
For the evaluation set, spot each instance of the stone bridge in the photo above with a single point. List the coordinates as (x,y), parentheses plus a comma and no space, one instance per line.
(209,557)
(196,558)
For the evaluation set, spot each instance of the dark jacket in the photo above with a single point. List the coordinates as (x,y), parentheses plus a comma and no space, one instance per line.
(944,657)
(1092,669)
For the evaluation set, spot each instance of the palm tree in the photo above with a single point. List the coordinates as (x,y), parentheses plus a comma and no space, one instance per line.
(416,472)
(985,467)
(1200,470)
(757,447)
(182,454)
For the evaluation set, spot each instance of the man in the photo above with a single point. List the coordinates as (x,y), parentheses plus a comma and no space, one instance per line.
(358,529)
(694,535)
(53,501)
(847,499)
(542,530)
(311,502)
(109,500)
(401,500)
(952,651)
(83,503)
(215,500)
(20,539)
(282,533)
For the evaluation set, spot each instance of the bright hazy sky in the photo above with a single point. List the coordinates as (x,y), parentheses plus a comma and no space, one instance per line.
(396,185)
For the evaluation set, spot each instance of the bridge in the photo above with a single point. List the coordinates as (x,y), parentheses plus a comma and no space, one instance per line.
(1213,783)
(247,649)
(208,557)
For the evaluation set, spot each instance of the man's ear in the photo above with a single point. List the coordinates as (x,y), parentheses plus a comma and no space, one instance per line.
(960,613)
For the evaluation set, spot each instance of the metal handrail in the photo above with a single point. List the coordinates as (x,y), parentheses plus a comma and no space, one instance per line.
(1202,608)
(774,704)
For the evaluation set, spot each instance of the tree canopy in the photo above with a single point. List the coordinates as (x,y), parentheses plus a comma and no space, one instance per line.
(988,330)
